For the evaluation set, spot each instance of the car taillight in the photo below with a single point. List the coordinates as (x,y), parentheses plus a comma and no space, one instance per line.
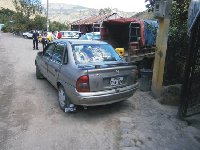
(82,84)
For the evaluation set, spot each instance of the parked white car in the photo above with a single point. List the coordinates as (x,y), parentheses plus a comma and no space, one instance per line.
(28,34)
(70,34)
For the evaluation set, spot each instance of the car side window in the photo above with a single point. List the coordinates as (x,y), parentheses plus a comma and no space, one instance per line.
(58,53)
(49,50)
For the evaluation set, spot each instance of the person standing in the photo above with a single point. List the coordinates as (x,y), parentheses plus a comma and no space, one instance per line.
(35,39)
(44,40)
(59,35)
(54,38)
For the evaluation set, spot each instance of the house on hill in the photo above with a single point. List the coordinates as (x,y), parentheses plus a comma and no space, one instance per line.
(93,23)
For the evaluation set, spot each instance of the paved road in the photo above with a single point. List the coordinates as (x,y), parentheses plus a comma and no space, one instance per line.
(30,118)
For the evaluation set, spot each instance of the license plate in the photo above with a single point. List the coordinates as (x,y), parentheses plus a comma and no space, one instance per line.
(116,81)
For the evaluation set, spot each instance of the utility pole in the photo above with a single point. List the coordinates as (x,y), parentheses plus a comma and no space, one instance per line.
(47,15)
(162,12)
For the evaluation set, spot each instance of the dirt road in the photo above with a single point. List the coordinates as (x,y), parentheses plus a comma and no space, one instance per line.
(30,116)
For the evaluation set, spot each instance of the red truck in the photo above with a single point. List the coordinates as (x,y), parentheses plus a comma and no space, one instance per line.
(136,36)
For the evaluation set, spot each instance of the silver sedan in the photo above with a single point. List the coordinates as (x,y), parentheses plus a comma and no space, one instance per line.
(86,73)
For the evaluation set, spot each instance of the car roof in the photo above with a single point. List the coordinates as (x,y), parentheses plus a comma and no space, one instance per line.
(77,41)
(71,31)
(93,33)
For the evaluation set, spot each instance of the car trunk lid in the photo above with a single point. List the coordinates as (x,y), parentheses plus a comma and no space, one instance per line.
(107,78)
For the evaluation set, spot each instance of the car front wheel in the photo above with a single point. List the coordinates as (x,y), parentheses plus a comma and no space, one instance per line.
(25,36)
(64,101)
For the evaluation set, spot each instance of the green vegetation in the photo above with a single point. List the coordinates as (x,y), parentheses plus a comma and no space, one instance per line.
(177,41)
(144,15)
(6,18)
(105,11)
(27,16)
(56,26)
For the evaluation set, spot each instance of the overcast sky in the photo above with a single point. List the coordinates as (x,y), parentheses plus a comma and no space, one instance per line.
(124,5)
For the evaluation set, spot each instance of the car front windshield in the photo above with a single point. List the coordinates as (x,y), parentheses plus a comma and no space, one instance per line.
(95,53)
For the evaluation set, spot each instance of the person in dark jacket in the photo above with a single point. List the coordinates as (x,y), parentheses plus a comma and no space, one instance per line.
(35,39)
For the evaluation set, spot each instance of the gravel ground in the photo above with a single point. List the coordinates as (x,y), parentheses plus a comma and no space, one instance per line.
(155,126)
(30,118)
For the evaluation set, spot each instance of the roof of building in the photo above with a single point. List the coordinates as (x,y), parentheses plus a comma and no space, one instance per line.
(93,19)
(122,21)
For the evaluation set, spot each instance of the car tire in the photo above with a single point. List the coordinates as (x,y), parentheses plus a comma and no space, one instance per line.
(39,75)
(64,101)
(25,36)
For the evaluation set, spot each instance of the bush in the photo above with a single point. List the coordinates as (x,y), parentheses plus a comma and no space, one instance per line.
(5,29)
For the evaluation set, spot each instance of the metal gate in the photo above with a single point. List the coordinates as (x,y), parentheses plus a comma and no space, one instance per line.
(190,96)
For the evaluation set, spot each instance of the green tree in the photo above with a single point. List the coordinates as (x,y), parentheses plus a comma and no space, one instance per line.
(25,10)
(177,41)
(56,26)
(6,17)
(28,7)
(39,22)
(150,4)
(105,11)
(20,22)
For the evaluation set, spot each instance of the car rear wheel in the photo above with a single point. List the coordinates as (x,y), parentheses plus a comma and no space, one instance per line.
(39,75)
(64,101)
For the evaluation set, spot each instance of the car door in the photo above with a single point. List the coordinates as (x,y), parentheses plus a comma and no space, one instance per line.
(55,63)
(47,54)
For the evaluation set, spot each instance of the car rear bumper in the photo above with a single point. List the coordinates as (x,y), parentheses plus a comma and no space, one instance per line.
(105,97)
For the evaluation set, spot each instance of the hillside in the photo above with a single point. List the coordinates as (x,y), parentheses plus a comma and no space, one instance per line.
(66,13)
(7,4)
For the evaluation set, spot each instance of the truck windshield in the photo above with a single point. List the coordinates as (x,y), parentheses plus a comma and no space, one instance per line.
(94,53)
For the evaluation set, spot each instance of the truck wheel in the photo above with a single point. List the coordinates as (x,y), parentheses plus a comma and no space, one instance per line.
(39,75)
(64,101)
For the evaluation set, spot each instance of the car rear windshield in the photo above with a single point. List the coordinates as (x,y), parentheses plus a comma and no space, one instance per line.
(90,36)
(94,53)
